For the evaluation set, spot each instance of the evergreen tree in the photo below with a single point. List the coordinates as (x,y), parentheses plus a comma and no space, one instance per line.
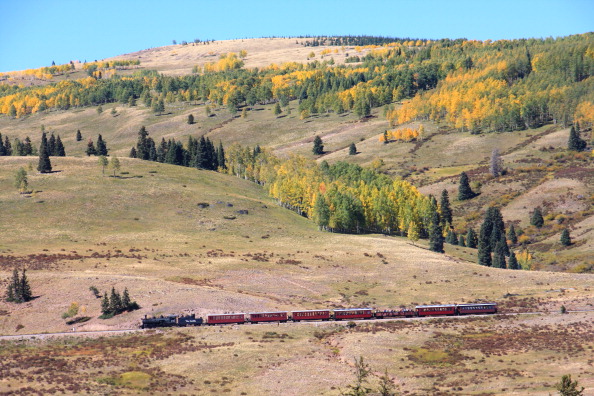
(133,153)
(452,238)
(25,289)
(8,146)
(565,237)
(386,138)
(2,149)
(567,387)
(352,149)
(499,255)
(462,241)
(158,106)
(484,253)
(90,148)
(537,220)
(277,109)
(511,234)
(27,146)
(59,151)
(126,303)
(105,305)
(78,136)
(318,146)
(513,262)
(51,145)
(435,234)
(12,111)
(221,156)
(142,145)
(44,165)
(190,119)
(464,190)
(115,302)
(575,142)
(446,209)
(101,146)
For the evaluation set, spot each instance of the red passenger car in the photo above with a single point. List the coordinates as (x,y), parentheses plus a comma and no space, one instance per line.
(268,317)
(353,313)
(435,310)
(401,313)
(471,309)
(311,315)
(225,318)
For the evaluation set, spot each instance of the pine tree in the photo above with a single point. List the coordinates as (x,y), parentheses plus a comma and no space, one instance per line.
(277,109)
(101,146)
(435,234)
(499,255)
(221,156)
(59,151)
(567,387)
(78,136)
(126,303)
(386,137)
(446,209)
(8,146)
(133,153)
(318,146)
(105,305)
(28,147)
(2,149)
(190,119)
(115,302)
(142,145)
(44,165)
(537,220)
(471,239)
(464,190)
(511,234)
(25,288)
(513,262)
(575,142)
(51,145)
(452,238)
(462,241)
(565,237)
(352,149)
(90,148)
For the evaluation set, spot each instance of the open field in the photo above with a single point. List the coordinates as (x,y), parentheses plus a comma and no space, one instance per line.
(523,355)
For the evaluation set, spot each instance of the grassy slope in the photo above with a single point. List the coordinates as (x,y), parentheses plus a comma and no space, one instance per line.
(273,259)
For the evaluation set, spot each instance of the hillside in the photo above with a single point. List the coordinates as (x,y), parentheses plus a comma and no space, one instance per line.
(186,240)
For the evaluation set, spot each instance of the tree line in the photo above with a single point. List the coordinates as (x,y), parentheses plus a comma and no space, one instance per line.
(198,153)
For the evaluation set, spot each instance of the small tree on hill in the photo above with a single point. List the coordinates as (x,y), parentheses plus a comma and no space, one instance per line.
(103,163)
(471,239)
(575,142)
(435,234)
(44,165)
(133,153)
(446,209)
(464,190)
(318,146)
(511,234)
(18,290)
(20,180)
(565,237)
(59,150)
(512,263)
(567,387)
(352,149)
(277,109)
(101,146)
(496,163)
(362,371)
(78,136)
(115,165)
(90,148)
(537,220)
(190,119)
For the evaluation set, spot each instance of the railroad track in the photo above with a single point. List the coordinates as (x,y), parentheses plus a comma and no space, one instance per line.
(41,336)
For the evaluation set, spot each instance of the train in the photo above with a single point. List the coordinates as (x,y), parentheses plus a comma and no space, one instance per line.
(317,315)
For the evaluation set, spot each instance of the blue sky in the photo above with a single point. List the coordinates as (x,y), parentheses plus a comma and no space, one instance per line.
(33,33)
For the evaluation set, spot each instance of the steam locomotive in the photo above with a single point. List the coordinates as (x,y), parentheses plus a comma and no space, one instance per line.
(321,314)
